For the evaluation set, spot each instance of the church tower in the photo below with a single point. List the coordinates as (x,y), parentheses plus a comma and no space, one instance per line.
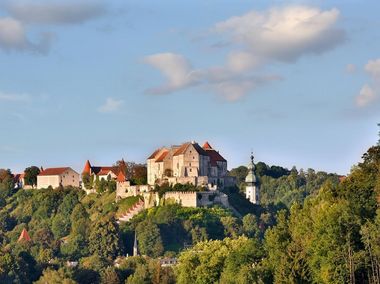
(252,187)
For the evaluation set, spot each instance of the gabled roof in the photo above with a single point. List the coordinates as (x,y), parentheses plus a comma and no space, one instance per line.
(24,236)
(87,168)
(155,153)
(215,157)
(121,177)
(182,149)
(162,156)
(105,170)
(53,171)
(206,146)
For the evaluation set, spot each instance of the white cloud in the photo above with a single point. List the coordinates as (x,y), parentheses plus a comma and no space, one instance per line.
(373,68)
(111,105)
(12,34)
(175,68)
(259,38)
(55,12)
(366,96)
(14,97)
(13,37)
(350,68)
(370,93)
(285,33)
(22,15)
(241,61)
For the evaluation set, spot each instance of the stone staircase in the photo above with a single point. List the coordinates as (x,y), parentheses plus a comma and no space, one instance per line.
(134,210)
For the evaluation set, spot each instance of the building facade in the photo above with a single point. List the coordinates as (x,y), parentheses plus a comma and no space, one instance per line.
(116,173)
(188,163)
(252,189)
(57,177)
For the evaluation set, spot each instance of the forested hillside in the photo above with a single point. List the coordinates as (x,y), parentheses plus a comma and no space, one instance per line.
(312,228)
(332,237)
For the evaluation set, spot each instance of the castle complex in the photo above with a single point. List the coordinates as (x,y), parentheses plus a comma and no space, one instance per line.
(189,163)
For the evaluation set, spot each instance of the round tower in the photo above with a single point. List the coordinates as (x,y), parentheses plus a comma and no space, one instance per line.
(252,192)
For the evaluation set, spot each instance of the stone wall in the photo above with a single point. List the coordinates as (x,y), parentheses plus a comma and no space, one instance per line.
(124,189)
(186,199)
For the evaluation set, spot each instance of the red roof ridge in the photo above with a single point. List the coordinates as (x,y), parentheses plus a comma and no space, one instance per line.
(24,236)
(162,156)
(154,154)
(121,177)
(206,146)
(53,171)
(87,167)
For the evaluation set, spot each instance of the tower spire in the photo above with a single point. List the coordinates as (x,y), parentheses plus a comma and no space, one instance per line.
(135,248)
(252,187)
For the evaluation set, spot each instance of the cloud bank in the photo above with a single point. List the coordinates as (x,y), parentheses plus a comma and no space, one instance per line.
(24,15)
(258,39)
(370,93)
(55,12)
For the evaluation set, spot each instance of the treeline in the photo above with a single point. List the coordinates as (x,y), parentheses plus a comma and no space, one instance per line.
(332,237)
(280,186)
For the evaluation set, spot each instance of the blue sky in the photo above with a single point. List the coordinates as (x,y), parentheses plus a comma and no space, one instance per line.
(296,82)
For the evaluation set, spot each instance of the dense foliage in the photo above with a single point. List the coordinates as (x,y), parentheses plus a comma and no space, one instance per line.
(312,228)
(280,186)
(332,237)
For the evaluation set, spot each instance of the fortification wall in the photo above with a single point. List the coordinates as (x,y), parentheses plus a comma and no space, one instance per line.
(186,199)
(124,189)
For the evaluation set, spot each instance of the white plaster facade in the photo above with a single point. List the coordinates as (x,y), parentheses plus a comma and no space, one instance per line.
(56,177)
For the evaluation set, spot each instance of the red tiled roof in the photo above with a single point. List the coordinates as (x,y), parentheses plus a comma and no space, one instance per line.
(53,171)
(215,157)
(87,168)
(24,236)
(206,146)
(154,154)
(121,177)
(105,170)
(162,156)
(181,149)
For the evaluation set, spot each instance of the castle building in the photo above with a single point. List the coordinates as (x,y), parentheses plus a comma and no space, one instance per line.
(116,173)
(56,177)
(188,163)
(252,189)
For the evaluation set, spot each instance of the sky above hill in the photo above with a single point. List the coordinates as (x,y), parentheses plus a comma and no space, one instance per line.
(296,82)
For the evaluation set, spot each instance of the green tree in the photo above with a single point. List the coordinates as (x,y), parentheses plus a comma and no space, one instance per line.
(55,277)
(232,226)
(60,226)
(149,239)
(250,227)
(31,174)
(104,238)
(218,261)
(109,276)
